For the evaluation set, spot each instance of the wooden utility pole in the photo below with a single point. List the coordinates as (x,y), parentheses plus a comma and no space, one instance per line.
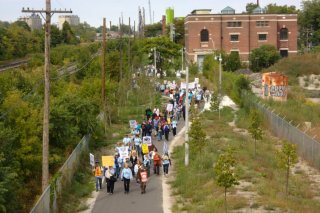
(120,48)
(129,47)
(103,75)
(103,67)
(45,136)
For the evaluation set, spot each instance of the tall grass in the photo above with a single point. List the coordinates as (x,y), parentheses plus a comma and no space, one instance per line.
(196,188)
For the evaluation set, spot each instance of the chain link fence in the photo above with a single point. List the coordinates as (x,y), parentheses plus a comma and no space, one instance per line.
(48,202)
(307,147)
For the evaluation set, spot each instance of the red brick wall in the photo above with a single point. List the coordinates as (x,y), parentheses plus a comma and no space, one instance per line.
(219,33)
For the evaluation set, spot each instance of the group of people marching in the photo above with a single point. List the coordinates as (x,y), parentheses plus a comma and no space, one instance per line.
(138,160)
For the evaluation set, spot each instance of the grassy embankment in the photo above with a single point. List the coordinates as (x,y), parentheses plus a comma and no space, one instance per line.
(262,181)
(294,67)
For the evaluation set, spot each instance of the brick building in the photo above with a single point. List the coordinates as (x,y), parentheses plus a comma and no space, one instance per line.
(206,32)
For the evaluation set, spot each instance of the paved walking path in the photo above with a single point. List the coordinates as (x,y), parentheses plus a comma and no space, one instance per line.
(135,202)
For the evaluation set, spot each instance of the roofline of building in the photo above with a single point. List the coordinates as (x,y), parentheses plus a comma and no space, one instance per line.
(244,14)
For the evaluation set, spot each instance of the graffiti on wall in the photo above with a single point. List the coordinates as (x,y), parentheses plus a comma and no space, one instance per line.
(275,91)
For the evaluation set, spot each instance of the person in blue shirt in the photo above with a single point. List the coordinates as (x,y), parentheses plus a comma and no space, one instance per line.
(126,176)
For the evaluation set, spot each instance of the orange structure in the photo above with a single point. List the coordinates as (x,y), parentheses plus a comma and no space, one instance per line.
(275,85)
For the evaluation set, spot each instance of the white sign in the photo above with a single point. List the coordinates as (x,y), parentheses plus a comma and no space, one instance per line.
(169,107)
(191,85)
(123,152)
(91,159)
(133,124)
(147,140)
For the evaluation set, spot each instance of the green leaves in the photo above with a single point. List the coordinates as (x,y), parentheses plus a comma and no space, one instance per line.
(263,57)
(225,170)
(287,157)
(198,136)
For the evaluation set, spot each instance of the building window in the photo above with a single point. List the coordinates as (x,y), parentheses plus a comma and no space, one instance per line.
(234,37)
(262,23)
(283,34)
(234,24)
(262,37)
(204,35)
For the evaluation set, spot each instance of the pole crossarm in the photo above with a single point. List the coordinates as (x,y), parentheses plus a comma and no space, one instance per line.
(44,11)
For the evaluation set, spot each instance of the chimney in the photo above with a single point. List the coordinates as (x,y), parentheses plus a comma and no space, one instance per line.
(163,25)
(258,3)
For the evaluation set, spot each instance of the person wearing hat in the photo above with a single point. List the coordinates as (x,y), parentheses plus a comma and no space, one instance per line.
(98,176)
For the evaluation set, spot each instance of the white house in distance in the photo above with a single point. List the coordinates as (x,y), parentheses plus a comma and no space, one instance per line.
(34,21)
(73,20)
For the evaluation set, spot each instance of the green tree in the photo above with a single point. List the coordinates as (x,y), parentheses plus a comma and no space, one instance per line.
(7,184)
(263,57)
(215,101)
(281,9)
(309,23)
(210,67)
(197,135)
(193,68)
(287,158)
(85,32)
(233,62)
(224,172)
(153,30)
(250,7)
(166,51)
(67,34)
(179,31)
(56,36)
(255,128)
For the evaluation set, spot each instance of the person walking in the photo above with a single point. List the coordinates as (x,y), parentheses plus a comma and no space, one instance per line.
(156,162)
(143,178)
(110,176)
(166,130)
(117,165)
(174,126)
(166,162)
(98,176)
(137,143)
(126,176)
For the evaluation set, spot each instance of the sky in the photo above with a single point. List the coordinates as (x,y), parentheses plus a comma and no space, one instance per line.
(93,11)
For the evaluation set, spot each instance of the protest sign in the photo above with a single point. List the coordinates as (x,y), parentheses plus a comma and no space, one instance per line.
(169,107)
(133,124)
(190,85)
(147,140)
(107,161)
(123,152)
(145,149)
(91,159)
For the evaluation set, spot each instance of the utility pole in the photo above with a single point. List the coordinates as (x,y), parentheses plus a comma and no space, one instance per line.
(45,135)
(129,47)
(220,78)
(155,58)
(186,137)
(182,60)
(103,68)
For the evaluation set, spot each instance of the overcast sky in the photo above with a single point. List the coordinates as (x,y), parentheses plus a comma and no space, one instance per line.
(92,11)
